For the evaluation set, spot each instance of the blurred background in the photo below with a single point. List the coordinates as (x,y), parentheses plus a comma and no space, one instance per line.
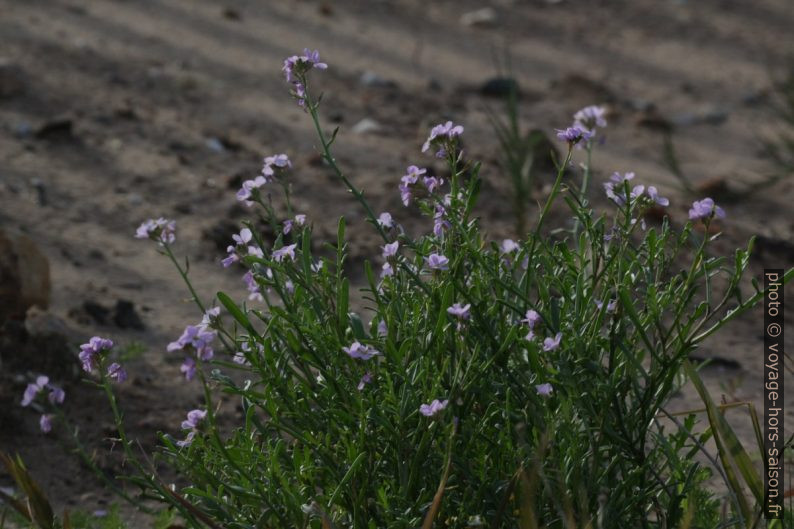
(112,112)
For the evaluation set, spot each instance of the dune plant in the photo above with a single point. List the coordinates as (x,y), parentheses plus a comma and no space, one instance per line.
(481,384)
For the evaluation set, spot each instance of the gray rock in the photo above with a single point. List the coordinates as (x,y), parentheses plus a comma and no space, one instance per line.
(366,126)
(24,275)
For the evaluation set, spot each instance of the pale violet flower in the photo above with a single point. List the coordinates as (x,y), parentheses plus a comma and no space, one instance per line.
(366,379)
(440,136)
(590,117)
(161,230)
(544,390)
(286,251)
(360,351)
(705,209)
(430,410)
(437,262)
(390,249)
(385,220)
(460,311)
(551,344)
(508,246)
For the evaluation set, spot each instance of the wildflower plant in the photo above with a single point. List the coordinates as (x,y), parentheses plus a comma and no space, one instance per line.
(496,383)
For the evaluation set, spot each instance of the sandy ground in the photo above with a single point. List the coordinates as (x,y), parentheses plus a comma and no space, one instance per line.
(164,105)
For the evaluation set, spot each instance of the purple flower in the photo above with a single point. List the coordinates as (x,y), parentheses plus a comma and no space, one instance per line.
(298,65)
(574,135)
(705,209)
(653,194)
(460,311)
(57,395)
(33,389)
(117,373)
(439,222)
(382,329)
(405,194)
(45,423)
(441,136)
(387,270)
(285,251)
(91,350)
(437,262)
(188,440)
(508,246)
(210,318)
(254,293)
(590,117)
(430,410)
(246,192)
(360,351)
(611,306)
(544,390)
(532,317)
(194,418)
(197,338)
(551,344)
(390,249)
(432,183)
(188,367)
(412,175)
(385,220)
(366,379)
(161,230)
(298,220)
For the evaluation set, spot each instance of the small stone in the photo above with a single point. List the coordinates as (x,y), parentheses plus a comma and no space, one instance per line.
(500,87)
(57,129)
(97,312)
(24,275)
(125,316)
(371,79)
(11,79)
(485,17)
(366,126)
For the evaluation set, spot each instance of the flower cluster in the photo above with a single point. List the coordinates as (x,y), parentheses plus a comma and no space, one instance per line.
(296,66)
(56,395)
(432,409)
(705,209)
(298,220)
(443,137)
(590,117)
(585,123)
(193,421)
(196,339)
(160,230)
(93,353)
(617,191)
(250,188)
(360,351)
(573,135)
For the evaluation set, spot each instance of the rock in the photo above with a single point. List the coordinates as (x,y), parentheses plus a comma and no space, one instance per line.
(38,346)
(371,79)
(366,126)
(97,312)
(215,145)
(485,17)
(11,79)
(24,275)
(125,316)
(229,13)
(57,129)
(500,87)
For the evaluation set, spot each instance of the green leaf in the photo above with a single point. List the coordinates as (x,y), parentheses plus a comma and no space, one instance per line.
(236,313)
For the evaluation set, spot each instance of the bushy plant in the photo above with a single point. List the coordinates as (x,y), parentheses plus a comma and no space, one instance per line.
(483,383)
